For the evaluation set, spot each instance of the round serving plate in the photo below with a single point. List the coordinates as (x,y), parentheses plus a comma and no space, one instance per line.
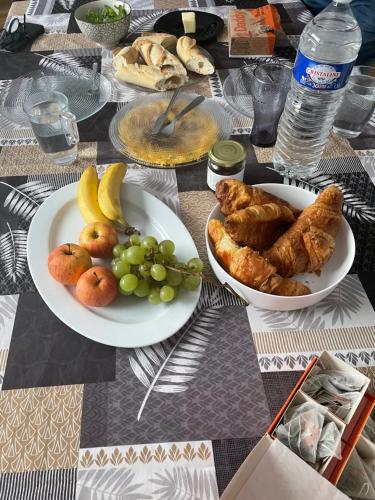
(208,25)
(128,321)
(213,112)
(87,92)
(331,275)
(237,86)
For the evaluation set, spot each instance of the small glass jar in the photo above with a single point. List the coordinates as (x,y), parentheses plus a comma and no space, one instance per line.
(226,160)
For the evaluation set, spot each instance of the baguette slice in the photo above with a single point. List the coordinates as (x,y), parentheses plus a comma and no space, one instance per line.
(125,56)
(192,56)
(155,55)
(164,39)
(151,77)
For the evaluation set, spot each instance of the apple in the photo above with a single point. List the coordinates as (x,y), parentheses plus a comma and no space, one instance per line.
(97,287)
(98,239)
(67,262)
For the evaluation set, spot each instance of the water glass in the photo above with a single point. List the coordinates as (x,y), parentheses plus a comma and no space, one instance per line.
(55,128)
(358,103)
(269,88)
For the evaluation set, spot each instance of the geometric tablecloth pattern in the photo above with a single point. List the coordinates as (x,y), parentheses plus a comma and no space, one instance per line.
(80,420)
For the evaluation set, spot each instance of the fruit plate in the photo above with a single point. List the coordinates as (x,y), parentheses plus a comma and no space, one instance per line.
(332,273)
(128,321)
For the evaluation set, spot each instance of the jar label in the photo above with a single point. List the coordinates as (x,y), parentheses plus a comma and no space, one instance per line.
(213,178)
(320,76)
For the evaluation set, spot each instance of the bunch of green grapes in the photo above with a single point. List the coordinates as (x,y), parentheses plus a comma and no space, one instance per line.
(146,268)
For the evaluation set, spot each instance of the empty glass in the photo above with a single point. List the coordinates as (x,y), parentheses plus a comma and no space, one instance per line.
(269,88)
(53,125)
(358,103)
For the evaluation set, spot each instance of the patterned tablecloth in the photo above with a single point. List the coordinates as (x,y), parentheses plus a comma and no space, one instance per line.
(83,420)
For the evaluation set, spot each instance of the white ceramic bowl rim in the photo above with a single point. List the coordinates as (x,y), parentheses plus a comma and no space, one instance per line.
(279,297)
(81,11)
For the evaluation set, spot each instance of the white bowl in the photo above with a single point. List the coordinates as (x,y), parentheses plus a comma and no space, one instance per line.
(106,34)
(332,273)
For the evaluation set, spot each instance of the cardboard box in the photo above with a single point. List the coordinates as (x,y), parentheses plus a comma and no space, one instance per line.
(252,32)
(329,362)
(272,470)
(269,472)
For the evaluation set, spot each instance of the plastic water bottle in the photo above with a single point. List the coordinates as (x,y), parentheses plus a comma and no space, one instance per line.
(327,51)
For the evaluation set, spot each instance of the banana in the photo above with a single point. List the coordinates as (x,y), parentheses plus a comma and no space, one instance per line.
(88,197)
(109,193)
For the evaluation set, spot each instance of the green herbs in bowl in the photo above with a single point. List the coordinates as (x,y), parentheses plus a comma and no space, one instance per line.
(106,14)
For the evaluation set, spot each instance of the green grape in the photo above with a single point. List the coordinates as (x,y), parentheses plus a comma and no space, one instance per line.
(195,265)
(167,293)
(115,260)
(154,296)
(129,282)
(135,255)
(191,282)
(118,249)
(158,272)
(135,239)
(149,242)
(171,260)
(124,256)
(160,259)
(143,289)
(166,247)
(174,278)
(144,269)
(122,291)
(120,268)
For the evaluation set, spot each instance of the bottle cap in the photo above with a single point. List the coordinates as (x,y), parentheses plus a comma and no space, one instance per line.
(227,153)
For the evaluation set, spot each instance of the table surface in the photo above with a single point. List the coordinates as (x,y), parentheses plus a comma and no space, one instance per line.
(80,419)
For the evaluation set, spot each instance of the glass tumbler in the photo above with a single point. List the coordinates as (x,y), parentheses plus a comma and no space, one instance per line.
(358,103)
(269,88)
(55,128)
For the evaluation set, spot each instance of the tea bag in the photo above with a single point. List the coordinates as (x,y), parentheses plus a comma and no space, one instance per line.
(329,444)
(357,479)
(302,431)
(337,390)
(369,430)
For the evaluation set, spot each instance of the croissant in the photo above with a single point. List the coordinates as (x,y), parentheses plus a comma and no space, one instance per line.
(235,195)
(308,244)
(249,267)
(259,226)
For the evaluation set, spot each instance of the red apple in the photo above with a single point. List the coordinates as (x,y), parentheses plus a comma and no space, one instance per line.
(98,239)
(67,262)
(97,287)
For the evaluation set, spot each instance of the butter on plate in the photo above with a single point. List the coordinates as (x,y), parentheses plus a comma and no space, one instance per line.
(188,20)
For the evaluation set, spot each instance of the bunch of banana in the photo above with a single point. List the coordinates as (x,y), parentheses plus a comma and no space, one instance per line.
(100,202)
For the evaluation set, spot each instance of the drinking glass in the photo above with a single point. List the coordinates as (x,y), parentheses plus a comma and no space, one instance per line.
(358,103)
(53,125)
(269,88)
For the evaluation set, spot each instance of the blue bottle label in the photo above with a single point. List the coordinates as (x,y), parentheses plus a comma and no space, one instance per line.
(320,76)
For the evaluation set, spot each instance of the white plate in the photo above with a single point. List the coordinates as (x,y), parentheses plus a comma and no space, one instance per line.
(128,321)
(332,273)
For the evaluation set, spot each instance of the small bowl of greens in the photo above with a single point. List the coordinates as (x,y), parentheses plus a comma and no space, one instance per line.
(105,22)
